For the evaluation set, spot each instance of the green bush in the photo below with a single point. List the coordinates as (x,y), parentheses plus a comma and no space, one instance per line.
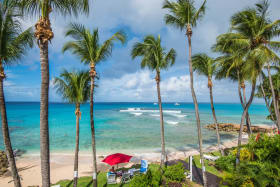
(225,163)
(146,180)
(267,148)
(245,154)
(175,173)
(260,165)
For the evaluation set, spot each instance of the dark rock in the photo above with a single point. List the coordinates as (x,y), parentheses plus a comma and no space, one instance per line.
(230,127)
(4,164)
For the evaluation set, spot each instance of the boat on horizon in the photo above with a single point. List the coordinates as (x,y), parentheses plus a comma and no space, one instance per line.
(176,104)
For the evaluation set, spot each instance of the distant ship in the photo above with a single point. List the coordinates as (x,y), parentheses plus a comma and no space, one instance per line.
(177,104)
(155,103)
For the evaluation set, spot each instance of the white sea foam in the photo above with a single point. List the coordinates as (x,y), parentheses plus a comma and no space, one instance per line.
(155,115)
(172,122)
(179,115)
(136,113)
(150,111)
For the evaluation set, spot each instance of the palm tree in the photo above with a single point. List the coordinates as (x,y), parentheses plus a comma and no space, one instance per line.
(155,57)
(225,69)
(252,42)
(44,35)
(75,88)
(184,15)
(205,65)
(86,46)
(14,44)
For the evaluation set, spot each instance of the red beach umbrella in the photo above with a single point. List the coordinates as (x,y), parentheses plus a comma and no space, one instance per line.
(117,158)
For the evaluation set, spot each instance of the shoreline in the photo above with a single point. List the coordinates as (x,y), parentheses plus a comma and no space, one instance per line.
(61,164)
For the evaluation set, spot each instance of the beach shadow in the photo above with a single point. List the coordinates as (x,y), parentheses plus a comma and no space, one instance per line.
(9,174)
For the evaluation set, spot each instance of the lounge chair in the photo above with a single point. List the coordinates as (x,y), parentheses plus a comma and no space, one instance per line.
(111,178)
(211,158)
(144,166)
(125,177)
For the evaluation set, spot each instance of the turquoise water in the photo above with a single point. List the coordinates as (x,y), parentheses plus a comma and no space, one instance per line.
(118,127)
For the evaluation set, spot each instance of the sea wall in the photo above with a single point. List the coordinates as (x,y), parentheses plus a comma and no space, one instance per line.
(230,127)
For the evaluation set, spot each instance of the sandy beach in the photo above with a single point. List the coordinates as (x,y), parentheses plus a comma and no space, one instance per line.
(62,164)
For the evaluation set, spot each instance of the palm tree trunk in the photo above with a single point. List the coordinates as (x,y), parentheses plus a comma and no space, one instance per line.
(248,121)
(242,121)
(5,131)
(78,115)
(44,121)
(273,97)
(163,153)
(189,34)
(215,119)
(94,166)
(243,104)
(265,100)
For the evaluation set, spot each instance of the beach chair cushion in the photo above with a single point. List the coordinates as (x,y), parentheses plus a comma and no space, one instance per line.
(211,158)
(144,166)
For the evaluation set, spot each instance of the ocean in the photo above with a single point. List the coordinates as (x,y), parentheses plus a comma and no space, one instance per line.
(122,127)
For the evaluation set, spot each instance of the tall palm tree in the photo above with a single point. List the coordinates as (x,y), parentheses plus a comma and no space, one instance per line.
(155,57)
(205,65)
(44,34)
(75,88)
(251,37)
(184,15)
(86,46)
(14,43)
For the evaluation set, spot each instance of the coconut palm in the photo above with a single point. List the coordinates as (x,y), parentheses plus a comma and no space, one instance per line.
(155,57)
(74,87)
(236,74)
(86,46)
(44,34)
(184,15)
(251,38)
(205,65)
(14,44)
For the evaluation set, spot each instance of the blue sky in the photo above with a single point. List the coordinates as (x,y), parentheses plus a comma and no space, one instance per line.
(121,78)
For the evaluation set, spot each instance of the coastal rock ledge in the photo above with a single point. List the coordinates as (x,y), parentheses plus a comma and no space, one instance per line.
(3,163)
(230,127)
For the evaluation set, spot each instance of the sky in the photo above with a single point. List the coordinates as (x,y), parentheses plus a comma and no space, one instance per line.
(121,78)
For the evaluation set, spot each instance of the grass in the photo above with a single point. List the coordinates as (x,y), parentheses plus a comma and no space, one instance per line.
(209,165)
(102,179)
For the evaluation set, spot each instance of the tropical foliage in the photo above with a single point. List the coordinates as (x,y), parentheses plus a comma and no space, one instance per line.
(259,165)
(14,42)
(44,34)
(184,15)
(205,65)
(75,88)
(155,57)
(86,46)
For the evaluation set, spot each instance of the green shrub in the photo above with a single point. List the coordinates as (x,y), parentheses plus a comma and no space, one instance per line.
(267,148)
(225,163)
(146,180)
(175,173)
(245,154)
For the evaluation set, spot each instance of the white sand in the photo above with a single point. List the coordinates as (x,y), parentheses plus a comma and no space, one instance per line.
(62,165)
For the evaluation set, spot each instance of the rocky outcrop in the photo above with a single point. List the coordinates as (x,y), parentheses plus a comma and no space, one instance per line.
(230,127)
(4,164)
